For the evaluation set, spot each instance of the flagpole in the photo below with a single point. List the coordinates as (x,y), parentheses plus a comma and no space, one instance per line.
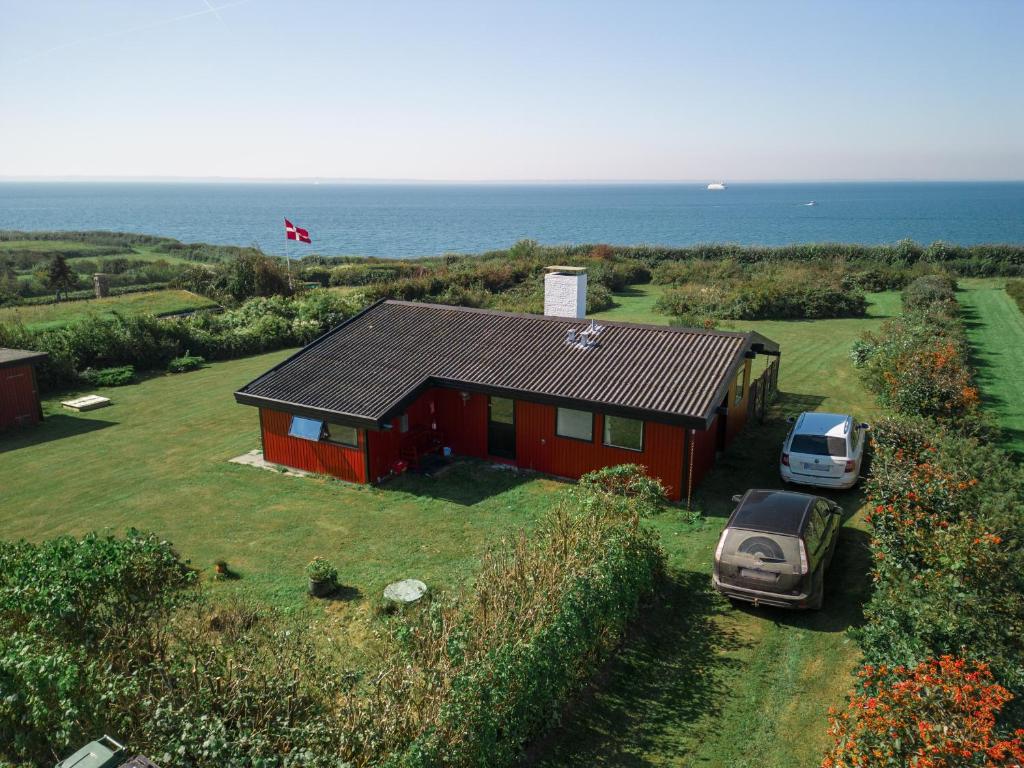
(288,261)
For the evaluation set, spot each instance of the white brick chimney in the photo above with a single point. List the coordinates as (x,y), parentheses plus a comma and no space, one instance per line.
(565,292)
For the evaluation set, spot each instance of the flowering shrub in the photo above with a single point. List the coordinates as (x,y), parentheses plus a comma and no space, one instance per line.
(939,714)
(916,364)
(949,574)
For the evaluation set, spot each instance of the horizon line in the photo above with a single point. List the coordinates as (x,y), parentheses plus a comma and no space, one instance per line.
(86,178)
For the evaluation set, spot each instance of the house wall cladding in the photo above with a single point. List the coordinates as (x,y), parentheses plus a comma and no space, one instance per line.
(737,412)
(539,448)
(463,420)
(19,400)
(323,457)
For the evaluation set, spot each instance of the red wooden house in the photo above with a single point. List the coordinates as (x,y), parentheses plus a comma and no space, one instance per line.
(19,395)
(557,395)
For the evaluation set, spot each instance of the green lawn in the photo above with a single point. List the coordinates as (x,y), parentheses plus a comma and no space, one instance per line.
(708,684)
(995,330)
(158,457)
(636,305)
(41,316)
(701,683)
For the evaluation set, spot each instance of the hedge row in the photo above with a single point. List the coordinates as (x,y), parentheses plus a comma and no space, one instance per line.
(916,364)
(1016,290)
(501,666)
(84,295)
(113,635)
(149,343)
(944,631)
(751,300)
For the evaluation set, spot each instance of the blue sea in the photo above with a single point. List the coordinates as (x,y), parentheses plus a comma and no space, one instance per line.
(408,220)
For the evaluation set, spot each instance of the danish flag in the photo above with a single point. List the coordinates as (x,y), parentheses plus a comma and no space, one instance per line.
(296,233)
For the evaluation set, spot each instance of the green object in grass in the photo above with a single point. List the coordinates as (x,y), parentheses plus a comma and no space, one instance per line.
(184,363)
(321,569)
(109,377)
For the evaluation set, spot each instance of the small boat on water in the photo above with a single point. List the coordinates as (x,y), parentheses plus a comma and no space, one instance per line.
(717,185)
(811,203)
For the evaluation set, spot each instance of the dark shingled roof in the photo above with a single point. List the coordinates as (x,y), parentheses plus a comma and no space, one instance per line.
(9,357)
(369,369)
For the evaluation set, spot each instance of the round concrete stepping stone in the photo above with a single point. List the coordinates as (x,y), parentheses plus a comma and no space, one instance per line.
(405,591)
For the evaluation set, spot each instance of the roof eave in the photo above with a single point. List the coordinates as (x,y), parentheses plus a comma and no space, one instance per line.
(349,419)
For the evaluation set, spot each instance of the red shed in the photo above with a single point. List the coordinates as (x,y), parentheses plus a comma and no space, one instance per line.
(559,395)
(19,395)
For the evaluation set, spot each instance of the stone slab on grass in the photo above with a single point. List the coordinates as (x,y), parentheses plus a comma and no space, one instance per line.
(405,591)
(255,459)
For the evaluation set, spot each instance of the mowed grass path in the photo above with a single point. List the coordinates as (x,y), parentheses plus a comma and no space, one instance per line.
(157,459)
(41,316)
(708,684)
(995,330)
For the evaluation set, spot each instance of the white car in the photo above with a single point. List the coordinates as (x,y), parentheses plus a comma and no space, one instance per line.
(823,449)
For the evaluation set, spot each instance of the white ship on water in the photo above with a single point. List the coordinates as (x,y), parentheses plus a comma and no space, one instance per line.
(717,185)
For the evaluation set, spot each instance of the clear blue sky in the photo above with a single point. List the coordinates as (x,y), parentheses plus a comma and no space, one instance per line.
(515,90)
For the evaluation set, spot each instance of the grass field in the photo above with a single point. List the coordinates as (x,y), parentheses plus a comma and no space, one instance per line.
(40,316)
(995,330)
(636,305)
(702,683)
(157,459)
(708,684)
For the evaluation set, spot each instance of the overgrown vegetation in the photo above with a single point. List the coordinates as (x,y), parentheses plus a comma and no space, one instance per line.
(469,680)
(131,262)
(938,714)
(1015,288)
(729,289)
(945,621)
(916,364)
(149,343)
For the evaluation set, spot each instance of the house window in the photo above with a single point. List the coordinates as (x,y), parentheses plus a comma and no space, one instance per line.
(578,425)
(740,379)
(343,435)
(625,433)
(306,429)
(403,422)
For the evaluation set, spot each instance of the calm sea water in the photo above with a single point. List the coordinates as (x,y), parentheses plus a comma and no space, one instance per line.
(402,220)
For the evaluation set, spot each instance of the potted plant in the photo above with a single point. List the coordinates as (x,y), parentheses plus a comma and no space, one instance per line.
(323,577)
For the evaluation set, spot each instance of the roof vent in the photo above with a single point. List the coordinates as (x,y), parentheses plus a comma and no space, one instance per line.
(585,339)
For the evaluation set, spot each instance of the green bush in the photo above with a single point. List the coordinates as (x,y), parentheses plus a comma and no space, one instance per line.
(109,634)
(948,566)
(540,621)
(916,364)
(149,343)
(321,569)
(109,377)
(184,363)
(929,291)
(1015,288)
(752,300)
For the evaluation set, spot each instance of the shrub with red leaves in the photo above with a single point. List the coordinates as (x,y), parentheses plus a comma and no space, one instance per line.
(941,714)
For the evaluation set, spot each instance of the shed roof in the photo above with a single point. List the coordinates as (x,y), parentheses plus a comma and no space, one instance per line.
(370,368)
(9,357)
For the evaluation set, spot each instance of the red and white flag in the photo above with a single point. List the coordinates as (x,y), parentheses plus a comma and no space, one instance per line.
(296,233)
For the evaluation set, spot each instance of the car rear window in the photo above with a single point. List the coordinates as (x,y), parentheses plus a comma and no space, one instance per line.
(818,445)
(761,546)
(772,512)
